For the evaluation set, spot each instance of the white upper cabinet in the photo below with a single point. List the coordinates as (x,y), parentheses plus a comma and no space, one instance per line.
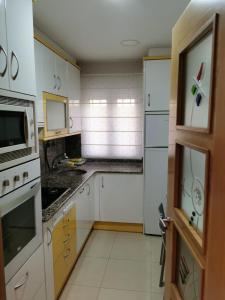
(49,76)
(19,26)
(73,82)
(73,88)
(38,49)
(157,85)
(4,80)
(60,73)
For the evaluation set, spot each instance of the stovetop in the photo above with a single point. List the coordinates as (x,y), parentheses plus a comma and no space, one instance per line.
(50,195)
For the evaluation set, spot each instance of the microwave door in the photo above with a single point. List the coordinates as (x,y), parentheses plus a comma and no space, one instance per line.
(12,134)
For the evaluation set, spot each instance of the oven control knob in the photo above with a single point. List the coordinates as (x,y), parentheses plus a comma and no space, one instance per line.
(25,174)
(5,183)
(17,178)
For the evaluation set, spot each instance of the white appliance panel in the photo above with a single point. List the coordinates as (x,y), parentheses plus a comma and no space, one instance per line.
(156,130)
(155,187)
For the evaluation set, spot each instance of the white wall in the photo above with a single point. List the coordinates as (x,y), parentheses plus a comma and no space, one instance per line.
(112,110)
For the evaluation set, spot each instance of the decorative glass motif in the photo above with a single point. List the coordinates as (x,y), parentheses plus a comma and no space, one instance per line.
(197,66)
(193,186)
(188,273)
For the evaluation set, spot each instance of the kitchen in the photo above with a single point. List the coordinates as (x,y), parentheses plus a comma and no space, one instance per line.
(95,143)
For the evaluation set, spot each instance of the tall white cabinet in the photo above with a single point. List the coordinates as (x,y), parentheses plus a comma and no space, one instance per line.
(16,23)
(157,95)
(4,79)
(156,85)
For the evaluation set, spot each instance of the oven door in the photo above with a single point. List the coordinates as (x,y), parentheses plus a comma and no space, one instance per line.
(21,225)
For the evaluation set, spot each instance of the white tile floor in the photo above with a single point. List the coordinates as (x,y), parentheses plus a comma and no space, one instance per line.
(116,266)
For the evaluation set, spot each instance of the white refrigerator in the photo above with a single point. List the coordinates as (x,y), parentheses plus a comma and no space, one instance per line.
(155,168)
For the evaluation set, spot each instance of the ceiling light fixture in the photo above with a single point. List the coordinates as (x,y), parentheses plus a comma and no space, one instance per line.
(129,43)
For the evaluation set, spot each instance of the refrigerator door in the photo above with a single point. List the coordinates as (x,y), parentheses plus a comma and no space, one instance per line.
(155,187)
(156,130)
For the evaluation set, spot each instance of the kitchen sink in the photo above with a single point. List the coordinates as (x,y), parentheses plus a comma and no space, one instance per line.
(71,172)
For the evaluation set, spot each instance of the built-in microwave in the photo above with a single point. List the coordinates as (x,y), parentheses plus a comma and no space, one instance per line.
(18,139)
(55,115)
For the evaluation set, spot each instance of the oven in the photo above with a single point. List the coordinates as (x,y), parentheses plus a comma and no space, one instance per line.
(21,220)
(18,138)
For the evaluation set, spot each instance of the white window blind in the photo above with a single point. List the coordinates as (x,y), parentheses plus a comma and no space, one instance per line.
(112,109)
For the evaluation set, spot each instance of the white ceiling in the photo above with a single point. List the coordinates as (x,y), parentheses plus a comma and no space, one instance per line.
(92,30)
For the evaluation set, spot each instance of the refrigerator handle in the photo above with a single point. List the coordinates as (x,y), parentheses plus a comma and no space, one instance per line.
(149,102)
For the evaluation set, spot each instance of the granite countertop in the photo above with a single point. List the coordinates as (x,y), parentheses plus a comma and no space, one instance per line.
(73,183)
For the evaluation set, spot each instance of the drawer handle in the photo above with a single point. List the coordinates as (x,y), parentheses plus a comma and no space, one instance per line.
(67,255)
(18,285)
(71,124)
(67,240)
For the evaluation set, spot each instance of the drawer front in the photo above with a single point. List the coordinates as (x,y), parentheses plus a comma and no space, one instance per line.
(62,267)
(26,283)
(64,233)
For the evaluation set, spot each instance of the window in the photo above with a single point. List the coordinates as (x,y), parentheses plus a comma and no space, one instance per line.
(112,116)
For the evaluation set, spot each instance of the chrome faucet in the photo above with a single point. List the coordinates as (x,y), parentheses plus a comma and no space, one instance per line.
(60,159)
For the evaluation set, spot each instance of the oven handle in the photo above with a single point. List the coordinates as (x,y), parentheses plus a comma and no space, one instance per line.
(27,128)
(33,189)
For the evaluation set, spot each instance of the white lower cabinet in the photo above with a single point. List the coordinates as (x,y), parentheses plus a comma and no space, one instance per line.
(41,294)
(28,283)
(121,198)
(84,200)
(65,235)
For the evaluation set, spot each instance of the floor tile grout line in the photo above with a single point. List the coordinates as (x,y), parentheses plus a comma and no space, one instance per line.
(103,277)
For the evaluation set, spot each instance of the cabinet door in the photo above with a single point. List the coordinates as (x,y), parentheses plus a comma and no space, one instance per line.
(60,72)
(4,79)
(121,198)
(156,130)
(157,85)
(74,116)
(38,51)
(49,275)
(73,89)
(49,75)
(19,22)
(29,279)
(83,212)
(73,82)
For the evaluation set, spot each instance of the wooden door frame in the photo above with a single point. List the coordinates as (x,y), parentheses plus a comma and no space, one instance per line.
(212,260)
(2,271)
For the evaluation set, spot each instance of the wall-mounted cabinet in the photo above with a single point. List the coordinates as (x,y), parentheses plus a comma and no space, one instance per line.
(73,88)
(17,68)
(56,76)
(157,85)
